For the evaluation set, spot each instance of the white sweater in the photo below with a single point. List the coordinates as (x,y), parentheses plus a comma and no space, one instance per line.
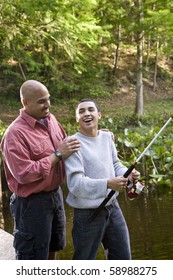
(89,169)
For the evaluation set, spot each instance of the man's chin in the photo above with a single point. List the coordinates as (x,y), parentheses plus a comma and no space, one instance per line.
(46,115)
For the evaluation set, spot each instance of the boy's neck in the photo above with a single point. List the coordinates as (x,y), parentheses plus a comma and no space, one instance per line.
(90,133)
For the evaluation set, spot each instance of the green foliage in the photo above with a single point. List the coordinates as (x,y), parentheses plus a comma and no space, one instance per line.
(70,128)
(158,161)
(61,42)
(51,42)
(3,127)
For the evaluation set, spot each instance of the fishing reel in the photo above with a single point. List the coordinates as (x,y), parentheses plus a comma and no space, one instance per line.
(134,189)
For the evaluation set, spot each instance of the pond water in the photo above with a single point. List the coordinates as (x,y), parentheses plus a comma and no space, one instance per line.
(149,218)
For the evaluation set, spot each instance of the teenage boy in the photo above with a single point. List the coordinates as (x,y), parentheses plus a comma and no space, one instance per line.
(92,172)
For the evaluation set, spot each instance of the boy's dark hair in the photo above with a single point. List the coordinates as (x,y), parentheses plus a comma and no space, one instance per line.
(90,100)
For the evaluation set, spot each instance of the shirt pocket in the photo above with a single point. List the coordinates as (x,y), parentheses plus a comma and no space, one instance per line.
(40,148)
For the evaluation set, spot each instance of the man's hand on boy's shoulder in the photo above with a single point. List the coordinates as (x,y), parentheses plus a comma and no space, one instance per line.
(111,133)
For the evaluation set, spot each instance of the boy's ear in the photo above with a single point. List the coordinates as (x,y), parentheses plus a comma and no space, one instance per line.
(100,115)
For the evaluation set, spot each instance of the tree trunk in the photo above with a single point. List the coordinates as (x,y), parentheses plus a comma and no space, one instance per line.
(155,67)
(139,83)
(148,51)
(117,51)
(139,110)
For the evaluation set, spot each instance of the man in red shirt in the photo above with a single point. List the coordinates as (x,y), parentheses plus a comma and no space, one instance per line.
(33,149)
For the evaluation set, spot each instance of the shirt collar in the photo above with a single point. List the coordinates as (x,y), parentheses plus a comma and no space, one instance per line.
(30,120)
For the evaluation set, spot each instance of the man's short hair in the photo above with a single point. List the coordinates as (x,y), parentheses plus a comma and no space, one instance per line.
(89,100)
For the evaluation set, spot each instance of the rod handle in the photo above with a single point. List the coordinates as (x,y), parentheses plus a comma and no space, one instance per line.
(129,170)
(98,209)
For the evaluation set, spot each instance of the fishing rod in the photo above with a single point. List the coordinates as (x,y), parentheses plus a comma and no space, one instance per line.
(129,170)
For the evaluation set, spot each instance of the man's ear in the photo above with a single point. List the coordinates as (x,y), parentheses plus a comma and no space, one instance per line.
(100,115)
(24,102)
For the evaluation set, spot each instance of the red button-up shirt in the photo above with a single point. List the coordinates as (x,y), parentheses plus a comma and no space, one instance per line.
(26,147)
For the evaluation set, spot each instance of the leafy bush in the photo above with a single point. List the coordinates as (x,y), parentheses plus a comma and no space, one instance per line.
(2,128)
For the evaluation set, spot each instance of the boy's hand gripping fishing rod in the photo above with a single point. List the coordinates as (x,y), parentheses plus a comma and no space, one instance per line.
(129,170)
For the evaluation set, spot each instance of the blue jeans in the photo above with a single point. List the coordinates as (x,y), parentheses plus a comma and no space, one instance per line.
(108,228)
(39,224)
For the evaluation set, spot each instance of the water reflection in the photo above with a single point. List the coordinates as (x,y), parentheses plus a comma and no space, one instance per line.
(149,218)
(150,222)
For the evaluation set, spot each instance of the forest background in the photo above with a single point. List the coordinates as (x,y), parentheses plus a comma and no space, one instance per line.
(117,52)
